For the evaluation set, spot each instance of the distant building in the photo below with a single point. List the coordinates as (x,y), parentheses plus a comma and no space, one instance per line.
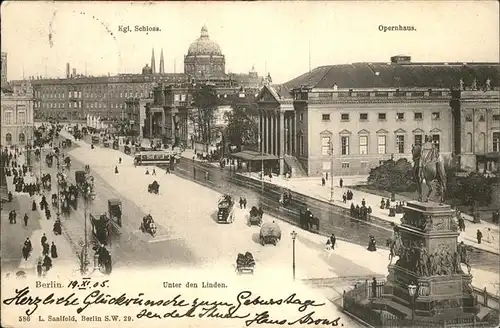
(75,96)
(356,116)
(16,119)
(4,68)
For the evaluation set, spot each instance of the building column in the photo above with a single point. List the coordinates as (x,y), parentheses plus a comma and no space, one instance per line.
(265,128)
(151,124)
(273,133)
(163,122)
(261,134)
(294,135)
(281,124)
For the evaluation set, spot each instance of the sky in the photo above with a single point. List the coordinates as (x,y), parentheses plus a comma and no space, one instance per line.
(282,38)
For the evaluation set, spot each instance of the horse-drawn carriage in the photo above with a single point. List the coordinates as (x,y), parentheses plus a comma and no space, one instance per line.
(115,210)
(255,217)
(106,143)
(270,233)
(245,263)
(154,187)
(67,162)
(102,259)
(107,224)
(225,212)
(285,198)
(148,225)
(46,181)
(66,143)
(85,183)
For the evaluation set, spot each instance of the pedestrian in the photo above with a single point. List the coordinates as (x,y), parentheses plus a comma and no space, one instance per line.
(43,240)
(26,219)
(326,175)
(47,213)
(341,182)
(344,197)
(479,236)
(241,203)
(45,247)
(363,202)
(489,237)
(154,172)
(322,182)
(116,169)
(119,160)
(53,251)
(14,215)
(39,268)
(374,287)
(244,202)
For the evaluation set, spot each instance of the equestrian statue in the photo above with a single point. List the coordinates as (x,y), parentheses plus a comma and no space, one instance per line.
(428,165)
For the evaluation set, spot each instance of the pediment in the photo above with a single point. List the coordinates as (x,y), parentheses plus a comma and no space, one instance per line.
(345,132)
(326,132)
(400,131)
(418,131)
(364,131)
(267,95)
(382,131)
(435,130)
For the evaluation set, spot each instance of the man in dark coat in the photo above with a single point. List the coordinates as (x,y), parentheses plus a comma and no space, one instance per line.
(26,219)
(45,249)
(333,240)
(53,251)
(43,240)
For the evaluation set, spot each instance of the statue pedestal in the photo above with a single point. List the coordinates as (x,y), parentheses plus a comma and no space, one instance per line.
(428,258)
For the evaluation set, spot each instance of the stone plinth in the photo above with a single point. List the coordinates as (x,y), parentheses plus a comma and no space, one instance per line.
(428,258)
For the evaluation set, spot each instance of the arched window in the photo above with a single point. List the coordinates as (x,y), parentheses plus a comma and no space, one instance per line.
(469,143)
(22,138)
(8,138)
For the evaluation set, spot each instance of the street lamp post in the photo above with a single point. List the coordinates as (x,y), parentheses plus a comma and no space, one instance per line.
(294,236)
(412,289)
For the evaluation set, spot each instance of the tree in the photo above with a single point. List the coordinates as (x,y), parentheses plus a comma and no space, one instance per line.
(393,176)
(242,124)
(206,101)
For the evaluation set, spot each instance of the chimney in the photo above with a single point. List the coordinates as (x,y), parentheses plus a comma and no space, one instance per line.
(74,72)
(67,70)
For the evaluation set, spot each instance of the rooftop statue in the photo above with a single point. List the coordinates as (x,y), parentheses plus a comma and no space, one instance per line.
(428,165)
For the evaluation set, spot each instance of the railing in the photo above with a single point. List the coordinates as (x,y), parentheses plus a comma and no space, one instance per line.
(355,303)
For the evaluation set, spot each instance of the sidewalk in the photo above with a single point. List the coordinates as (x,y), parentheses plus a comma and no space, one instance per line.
(67,262)
(313,188)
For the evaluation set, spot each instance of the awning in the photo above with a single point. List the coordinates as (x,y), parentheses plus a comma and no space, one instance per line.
(249,155)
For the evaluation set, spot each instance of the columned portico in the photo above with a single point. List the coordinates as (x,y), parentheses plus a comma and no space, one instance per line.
(282,141)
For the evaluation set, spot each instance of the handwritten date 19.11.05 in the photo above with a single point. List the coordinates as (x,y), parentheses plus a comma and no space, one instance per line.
(87,284)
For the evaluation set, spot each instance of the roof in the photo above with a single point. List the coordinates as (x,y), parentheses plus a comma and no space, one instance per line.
(250,155)
(387,75)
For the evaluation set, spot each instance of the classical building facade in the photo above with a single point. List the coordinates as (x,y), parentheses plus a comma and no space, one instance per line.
(16,119)
(346,119)
(477,128)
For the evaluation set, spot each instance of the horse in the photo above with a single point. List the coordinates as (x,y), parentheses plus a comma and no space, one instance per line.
(432,169)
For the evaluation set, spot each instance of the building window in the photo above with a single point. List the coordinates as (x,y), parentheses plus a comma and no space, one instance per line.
(436,115)
(325,146)
(496,117)
(183,97)
(121,95)
(363,116)
(345,165)
(381,144)
(496,141)
(417,116)
(400,142)
(21,117)
(7,118)
(22,138)
(176,97)
(344,117)
(325,117)
(363,145)
(345,145)
(301,117)
(301,145)
(436,141)
(468,118)
(382,116)
(481,118)
(8,138)
(400,116)
(417,140)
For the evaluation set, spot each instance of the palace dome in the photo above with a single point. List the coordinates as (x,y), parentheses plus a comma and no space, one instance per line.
(203,46)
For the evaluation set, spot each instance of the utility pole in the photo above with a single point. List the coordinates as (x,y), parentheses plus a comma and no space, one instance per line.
(331,171)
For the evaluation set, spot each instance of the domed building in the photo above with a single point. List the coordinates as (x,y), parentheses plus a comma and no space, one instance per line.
(204,58)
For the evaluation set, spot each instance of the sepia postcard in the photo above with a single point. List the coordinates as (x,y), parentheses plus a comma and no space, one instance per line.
(250,164)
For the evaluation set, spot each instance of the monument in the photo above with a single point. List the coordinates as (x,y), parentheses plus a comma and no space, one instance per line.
(428,277)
